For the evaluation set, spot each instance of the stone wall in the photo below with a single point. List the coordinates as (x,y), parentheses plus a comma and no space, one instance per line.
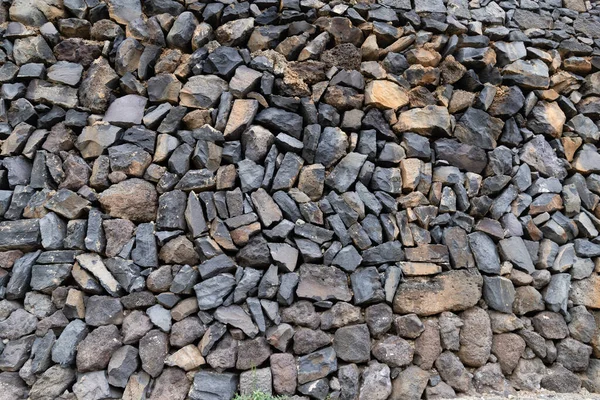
(366,200)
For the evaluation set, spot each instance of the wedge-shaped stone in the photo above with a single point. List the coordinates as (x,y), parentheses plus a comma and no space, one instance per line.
(202,91)
(93,263)
(345,172)
(513,249)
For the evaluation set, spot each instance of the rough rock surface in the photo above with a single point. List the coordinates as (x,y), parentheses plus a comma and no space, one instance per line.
(354,200)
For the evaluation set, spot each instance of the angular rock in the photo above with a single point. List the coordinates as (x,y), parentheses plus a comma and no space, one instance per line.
(450,291)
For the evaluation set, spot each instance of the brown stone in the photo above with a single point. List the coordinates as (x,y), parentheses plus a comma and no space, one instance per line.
(419,268)
(8,258)
(385,94)
(449,291)
(179,251)
(475,337)
(508,348)
(312,181)
(133,199)
(428,345)
(283,368)
(117,232)
(242,235)
(527,299)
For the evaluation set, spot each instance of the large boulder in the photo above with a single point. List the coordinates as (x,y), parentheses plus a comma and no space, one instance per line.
(455,290)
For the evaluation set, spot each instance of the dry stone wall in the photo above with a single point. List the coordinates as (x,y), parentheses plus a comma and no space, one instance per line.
(366,200)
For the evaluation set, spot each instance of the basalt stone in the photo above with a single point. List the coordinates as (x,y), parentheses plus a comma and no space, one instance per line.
(208,384)
(126,111)
(211,292)
(528,74)
(64,348)
(469,129)
(499,293)
(461,155)
(53,382)
(21,234)
(484,252)
(202,91)
(236,316)
(231,180)
(94,352)
(316,365)
(153,350)
(319,282)
(17,325)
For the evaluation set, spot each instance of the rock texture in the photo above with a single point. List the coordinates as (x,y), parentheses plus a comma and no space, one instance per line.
(354,200)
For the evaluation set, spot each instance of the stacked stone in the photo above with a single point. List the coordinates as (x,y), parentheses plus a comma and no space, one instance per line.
(367,200)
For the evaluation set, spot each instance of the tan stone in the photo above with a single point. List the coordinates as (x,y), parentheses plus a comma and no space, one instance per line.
(385,94)
(425,57)
(455,290)
(547,118)
(398,46)
(419,268)
(575,5)
(136,386)
(410,168)
(197,118)
(186,358)
(571,144)
(578,65)
(370,49)
(242,235)
(424,121)
(242,114)
(586,292)
(74,305)
(184,308)
(461,100)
